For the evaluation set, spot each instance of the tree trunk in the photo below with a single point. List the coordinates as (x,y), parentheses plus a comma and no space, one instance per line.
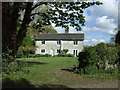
(10,39)
(23,29)
(9,24)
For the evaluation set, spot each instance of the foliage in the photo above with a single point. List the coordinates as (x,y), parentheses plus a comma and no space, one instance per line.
(64,55)
(117,37)
(69,55)
(39,55)
(18,16)
(107,53)
(101,56)
(25,51)
(27,41)
(93,72)
(9,67)
(27,47)
(48,29)
(87,57)
(34,55)
(64,51)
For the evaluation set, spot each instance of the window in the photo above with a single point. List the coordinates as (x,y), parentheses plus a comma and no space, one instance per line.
(75,42)
(58,50)
(42,50)
(58,42)
(43,42)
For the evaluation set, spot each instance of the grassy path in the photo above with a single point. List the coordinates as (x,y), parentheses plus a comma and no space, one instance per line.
(53,72)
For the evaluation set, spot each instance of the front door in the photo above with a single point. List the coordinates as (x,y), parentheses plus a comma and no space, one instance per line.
(75,53)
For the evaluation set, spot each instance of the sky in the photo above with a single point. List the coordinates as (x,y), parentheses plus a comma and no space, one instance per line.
(100,23)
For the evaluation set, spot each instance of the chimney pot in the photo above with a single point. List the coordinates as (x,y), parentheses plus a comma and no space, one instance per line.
(39,32)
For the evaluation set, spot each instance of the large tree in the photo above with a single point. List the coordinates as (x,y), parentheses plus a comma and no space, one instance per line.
(117,37)
(15,24)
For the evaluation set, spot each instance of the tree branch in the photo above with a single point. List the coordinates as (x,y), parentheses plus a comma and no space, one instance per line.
(38,4)
(23,29)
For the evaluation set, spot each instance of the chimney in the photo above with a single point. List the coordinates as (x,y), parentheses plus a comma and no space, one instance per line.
(39,32)
(66,30)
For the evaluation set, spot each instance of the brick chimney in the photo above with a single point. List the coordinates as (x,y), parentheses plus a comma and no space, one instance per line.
(39,32)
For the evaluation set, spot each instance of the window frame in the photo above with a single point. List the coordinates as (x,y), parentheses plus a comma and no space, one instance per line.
(58,42)
(42,51)
(75,42)
(43,42)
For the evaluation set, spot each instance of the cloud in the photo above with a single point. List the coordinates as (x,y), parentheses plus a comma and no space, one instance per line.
(71,30)
(93,41)
(103,24)
(90,29)
(109,8)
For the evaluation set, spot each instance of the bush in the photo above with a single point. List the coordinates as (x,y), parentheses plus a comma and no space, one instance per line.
(39,55)
(101,58)
(108,53)
(92,70)
(13,67)
(69,55)
(64,55)
(24,51)
(88,57)
(87,70)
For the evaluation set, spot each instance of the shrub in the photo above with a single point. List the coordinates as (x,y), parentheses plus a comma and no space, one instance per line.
(91,70)
(9,67)
(87,57)
(24,51)
(64,55)
(39,55)
(101,58)
(69,55)
(107,53)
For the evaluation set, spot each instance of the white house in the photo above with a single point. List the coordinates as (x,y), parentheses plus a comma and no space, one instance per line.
(54,43)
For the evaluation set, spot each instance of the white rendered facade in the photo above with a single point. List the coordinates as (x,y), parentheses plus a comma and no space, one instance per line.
(53,46)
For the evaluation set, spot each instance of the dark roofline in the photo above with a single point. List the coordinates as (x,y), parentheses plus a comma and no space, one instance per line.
(60,39)
(60,36)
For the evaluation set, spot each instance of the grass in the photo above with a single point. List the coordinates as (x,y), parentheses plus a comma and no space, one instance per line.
(47,72)
(44,70)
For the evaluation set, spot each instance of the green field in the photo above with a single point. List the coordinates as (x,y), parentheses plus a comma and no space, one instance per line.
(50,72)
(45,70)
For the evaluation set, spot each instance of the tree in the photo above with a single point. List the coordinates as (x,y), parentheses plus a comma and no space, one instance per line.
(59,13)
(48,29)
(27,47)
(117,37)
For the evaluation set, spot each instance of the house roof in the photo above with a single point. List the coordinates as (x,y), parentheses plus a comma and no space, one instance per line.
(60,36)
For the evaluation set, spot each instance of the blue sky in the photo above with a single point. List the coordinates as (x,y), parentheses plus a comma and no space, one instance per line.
(100,23)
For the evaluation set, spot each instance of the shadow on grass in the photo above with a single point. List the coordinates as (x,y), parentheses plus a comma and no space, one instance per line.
(30,63)
(23,83)
(69,70)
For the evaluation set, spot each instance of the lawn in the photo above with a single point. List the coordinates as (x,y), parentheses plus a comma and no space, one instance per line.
(52,72)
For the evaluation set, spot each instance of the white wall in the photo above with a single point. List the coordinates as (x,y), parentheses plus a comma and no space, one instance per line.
(70,46)
(51,47)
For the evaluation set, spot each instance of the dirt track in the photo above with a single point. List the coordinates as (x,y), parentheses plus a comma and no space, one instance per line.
(80,82)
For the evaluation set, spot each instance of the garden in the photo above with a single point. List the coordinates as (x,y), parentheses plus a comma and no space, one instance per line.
(94,65)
